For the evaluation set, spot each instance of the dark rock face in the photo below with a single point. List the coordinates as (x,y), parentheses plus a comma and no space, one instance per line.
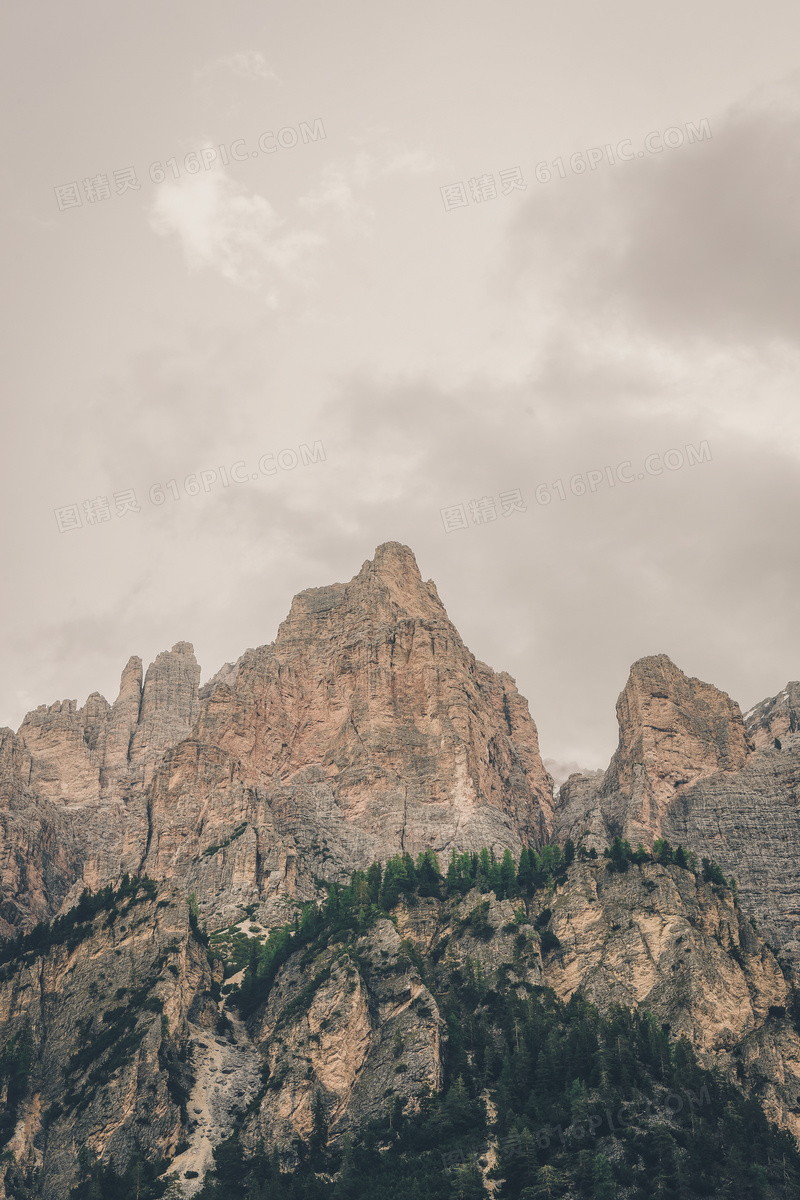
(108,1018)
(688,769)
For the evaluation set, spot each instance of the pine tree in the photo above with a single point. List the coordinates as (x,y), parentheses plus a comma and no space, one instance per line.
(429,876)
(549,1181)
(467,1183)
(374,881)
(525,871)
(453,874)
(603,1179)
(484,869)
(508,877)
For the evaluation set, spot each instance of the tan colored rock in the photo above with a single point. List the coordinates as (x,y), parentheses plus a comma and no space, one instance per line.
(366,728)
(169,706)
(657,938)
(369,696)
(368,1029)
(677,730)
(687,769)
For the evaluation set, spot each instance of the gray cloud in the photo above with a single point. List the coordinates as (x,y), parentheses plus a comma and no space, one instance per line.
(439,357)
(698,242)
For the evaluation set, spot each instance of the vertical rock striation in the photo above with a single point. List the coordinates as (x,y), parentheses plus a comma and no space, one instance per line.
(689,769)
(366,728)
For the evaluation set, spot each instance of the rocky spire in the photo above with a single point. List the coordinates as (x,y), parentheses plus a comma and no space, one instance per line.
(675,728)
(169,705)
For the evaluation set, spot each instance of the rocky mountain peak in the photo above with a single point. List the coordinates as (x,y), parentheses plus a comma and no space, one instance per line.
(678,729)
(387,589)
(169,706)
(777,717)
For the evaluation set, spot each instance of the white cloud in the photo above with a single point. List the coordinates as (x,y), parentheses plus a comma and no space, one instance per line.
(222,226)
(342,181)
(336,192)
(247,64)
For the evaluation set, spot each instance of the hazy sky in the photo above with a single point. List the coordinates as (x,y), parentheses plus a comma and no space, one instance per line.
(537,330)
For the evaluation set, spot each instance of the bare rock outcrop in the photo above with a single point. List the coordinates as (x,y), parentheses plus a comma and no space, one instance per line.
(74,810)
(355,1028)
(106,1012)
(367,1028)
(365,729)
(690,770)
(776,720)
(657,937)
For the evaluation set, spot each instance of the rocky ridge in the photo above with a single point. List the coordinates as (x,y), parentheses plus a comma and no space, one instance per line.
(655,937)
(109,1009)
(365,728)
(688,768)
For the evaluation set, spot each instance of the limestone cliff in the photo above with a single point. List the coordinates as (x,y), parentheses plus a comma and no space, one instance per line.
(106,1009)
(360,1024)
(365,728)
(689,769)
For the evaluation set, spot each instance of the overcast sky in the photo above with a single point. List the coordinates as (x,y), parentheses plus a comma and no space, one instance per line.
(538,329)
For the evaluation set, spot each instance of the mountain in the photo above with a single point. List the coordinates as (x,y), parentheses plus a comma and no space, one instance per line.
(567,1021)
(691,769)
(319,928)
(364,729)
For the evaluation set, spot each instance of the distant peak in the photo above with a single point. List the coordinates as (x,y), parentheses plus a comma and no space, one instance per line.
(183,648)
(392,556)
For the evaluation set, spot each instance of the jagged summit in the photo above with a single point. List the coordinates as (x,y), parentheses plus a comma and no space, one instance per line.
(364,729)
(776,718)
(387,589)
(677,727)
(690,768)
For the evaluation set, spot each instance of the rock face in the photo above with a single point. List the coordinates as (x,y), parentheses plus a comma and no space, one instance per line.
(365,729)
(107,1013)
(678,729)
(657,937)
(356,1026)
(73,792)
(689,769)
(777,717)
(367,1014)
(126,1054)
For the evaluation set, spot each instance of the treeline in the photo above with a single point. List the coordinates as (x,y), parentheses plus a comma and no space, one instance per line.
(72,927)
(375,892)
(620,856)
